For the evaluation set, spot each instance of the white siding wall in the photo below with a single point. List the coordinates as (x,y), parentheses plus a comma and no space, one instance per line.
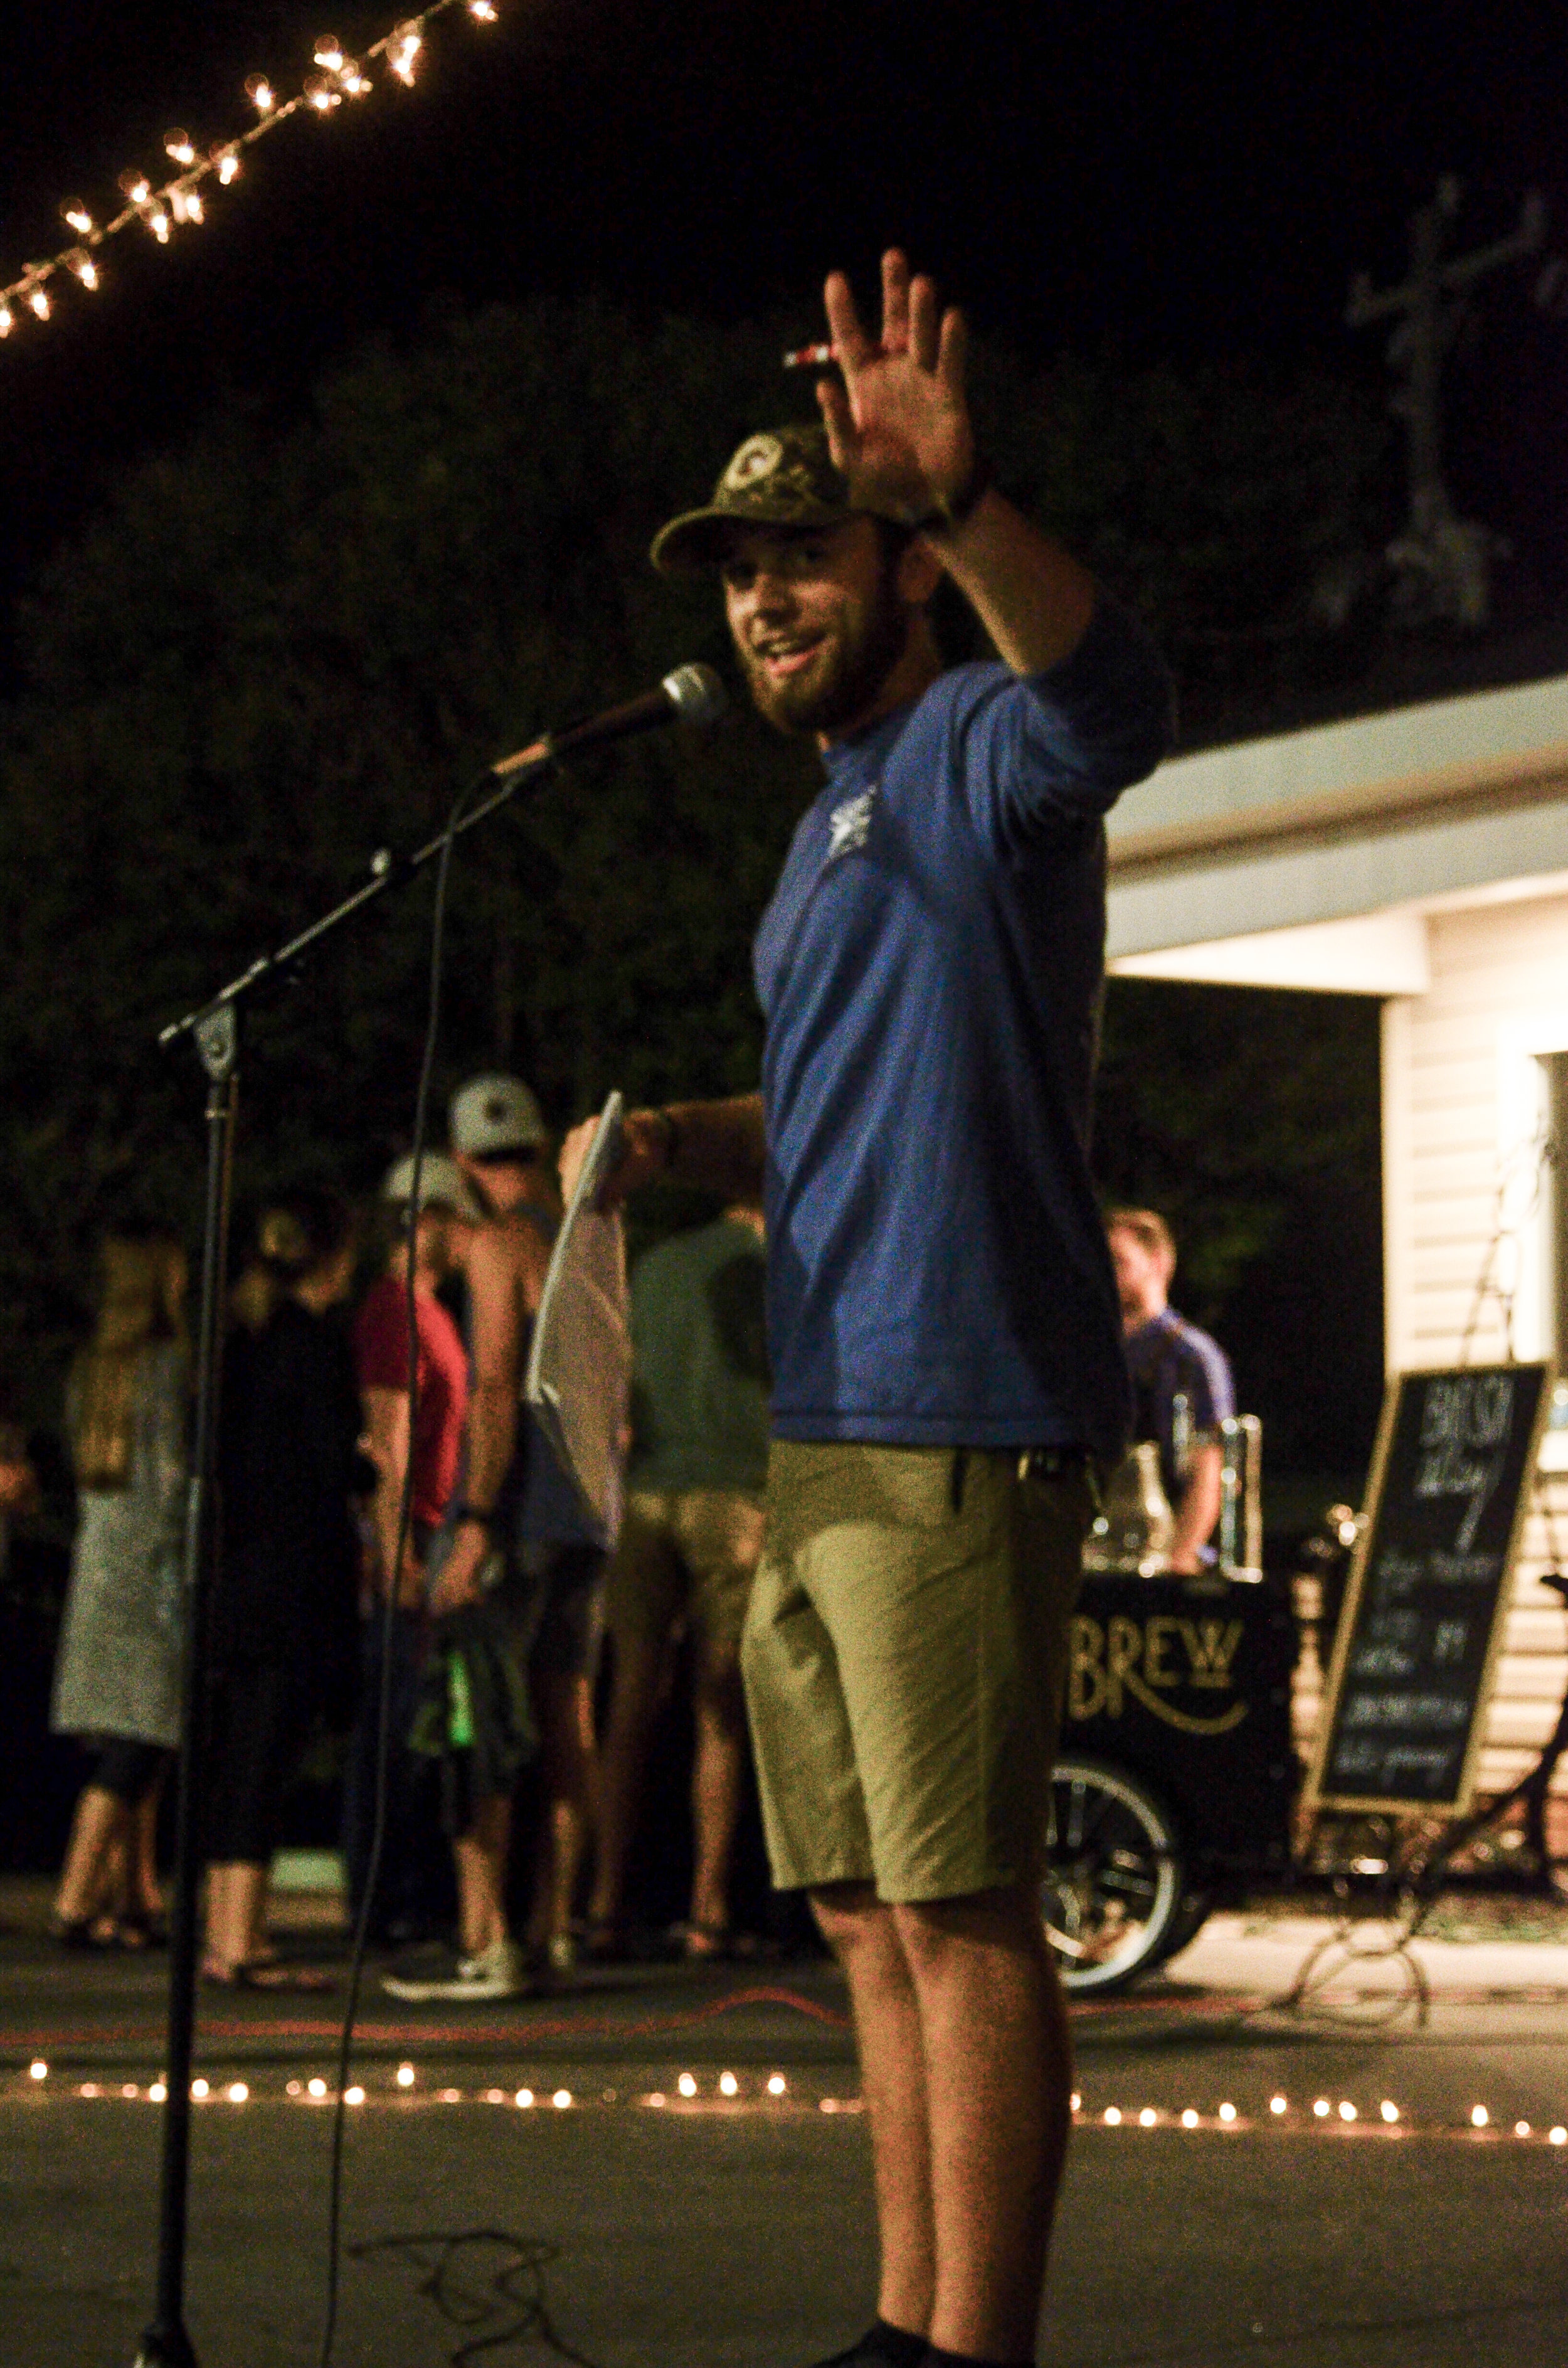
(1465,1199)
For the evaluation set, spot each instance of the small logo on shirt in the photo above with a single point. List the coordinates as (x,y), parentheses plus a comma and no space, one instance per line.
(850,825)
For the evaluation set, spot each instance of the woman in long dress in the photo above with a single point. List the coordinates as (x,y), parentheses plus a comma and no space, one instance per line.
(117,1679)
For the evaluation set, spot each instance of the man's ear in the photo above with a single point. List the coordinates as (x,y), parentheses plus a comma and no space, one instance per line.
(919,573)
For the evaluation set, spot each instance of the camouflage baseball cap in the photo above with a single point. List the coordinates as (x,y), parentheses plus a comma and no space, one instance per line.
(782,476)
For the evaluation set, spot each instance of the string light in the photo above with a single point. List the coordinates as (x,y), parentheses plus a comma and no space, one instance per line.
(180,201)
(406,44)
(1227,2116)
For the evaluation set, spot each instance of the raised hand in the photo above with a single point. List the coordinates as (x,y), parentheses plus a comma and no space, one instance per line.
(898,425)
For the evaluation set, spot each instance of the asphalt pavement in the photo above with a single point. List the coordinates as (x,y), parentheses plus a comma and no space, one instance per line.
(666,2170)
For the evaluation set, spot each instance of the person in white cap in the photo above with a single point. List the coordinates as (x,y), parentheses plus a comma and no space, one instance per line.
(515,1504)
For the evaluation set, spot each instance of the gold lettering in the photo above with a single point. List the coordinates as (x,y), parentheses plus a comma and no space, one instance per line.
(1210,1648)
(1124,1650)
(1157,1634)
(1086,1678)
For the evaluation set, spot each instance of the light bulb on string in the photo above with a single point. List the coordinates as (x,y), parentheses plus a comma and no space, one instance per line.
(76,214)
(80,262)
(225,162)
(185,204)
(181,147)
(355,82)
(157,223)
(8,323)
(484,10)
(329,53)
(137,188)
(406,44)
(37,297)
(322,93)
(260,93)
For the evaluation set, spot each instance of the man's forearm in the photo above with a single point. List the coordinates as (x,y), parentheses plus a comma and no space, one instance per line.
(1200,1508)
(717,1144)
(492,1438)
(1034,599)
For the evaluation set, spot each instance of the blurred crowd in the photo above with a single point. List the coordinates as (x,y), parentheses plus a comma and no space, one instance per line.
(404,1566)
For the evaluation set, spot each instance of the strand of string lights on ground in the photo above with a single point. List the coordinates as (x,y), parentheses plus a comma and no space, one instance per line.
(164,206)
(728,2093)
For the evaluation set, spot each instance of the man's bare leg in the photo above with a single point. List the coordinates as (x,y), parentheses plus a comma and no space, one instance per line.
(718,1773)
(998,2077)
(623,1759)
(480,1860)
(564,1706)
(862,1933)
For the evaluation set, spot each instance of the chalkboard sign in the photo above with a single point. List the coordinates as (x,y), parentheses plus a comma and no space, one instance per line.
(1427,1598)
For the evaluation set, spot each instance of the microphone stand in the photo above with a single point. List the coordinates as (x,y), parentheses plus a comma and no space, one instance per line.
(217,1030)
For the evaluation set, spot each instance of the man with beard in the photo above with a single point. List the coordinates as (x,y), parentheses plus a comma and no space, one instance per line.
(943,1322)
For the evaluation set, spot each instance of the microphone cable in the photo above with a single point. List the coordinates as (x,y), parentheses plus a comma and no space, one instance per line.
(388,1608)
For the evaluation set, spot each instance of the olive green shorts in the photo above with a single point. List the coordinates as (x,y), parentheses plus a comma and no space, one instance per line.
(684,1552)
(904,1656)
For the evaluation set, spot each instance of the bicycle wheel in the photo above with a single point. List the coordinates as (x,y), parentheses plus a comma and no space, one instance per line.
(1113,1880)
(1190,1916)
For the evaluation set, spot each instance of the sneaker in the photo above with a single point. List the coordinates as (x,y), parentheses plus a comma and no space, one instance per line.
(498,1972)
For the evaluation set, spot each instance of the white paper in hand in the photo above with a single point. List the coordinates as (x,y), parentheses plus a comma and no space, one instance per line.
(579,1376)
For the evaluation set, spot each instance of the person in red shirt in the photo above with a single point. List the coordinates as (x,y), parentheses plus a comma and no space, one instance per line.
(434,1238)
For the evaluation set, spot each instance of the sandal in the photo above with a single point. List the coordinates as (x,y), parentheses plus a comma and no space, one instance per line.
(606,1942)
(708,1944)
(143,1930)
(101,1934)
(264,1973)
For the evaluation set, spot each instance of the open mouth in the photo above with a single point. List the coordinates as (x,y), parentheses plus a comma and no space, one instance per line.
(779,660)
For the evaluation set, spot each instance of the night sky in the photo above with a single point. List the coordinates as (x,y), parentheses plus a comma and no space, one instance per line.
(1181,183)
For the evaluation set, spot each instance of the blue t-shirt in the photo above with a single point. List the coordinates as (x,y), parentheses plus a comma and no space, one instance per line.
(930,972)
(1167,1357)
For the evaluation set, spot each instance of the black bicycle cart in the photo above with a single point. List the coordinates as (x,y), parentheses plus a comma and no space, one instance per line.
(1176,1783)
(1176,1779)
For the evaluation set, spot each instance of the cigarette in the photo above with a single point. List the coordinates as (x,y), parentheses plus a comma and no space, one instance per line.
(809,357)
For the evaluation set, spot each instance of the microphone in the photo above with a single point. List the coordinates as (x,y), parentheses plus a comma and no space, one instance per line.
(693,694)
